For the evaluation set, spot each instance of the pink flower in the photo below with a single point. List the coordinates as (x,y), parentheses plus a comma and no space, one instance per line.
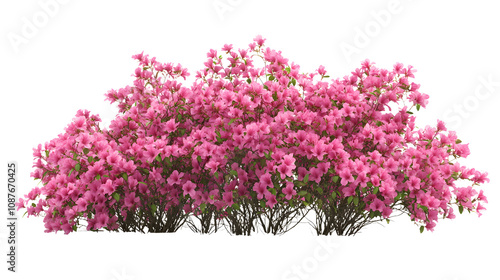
(113,158)
(131,200)
(271,200)
(315,175)
(227,48)
(321,70)
(79,122)
(228,198)
(349,191)
(377,205)
(386,213)
(441,126)
(413,183)
(67,228)
(151,153)
(430,226)
(81,204)
(20,204)
(289,190)
(171,126)
(212,165)
(479,209)
(129,167)
(266,180)
(391,165)
(259,40)
(481,197)
(175,178)
(189,188)
(108,187)
(260,190)
(346,176)
(101,220)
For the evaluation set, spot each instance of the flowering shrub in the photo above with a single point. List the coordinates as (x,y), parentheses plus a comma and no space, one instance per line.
(251,148)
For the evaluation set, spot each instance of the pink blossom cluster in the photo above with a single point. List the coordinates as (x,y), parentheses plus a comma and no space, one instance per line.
(241,132)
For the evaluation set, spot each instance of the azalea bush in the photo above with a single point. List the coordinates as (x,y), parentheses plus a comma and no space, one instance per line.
(253,148)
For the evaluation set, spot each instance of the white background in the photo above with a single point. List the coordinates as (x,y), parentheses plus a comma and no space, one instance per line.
(78,50)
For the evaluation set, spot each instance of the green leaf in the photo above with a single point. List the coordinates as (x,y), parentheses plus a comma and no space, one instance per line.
(273,191)
(320,203)
(98,177)
(349,200)
(143,183)
(158,158)
(356,200)
(398,197)
(336,179)
(231,121)
(125,177)
(85,151)
(202,207)
(308,197)
(375,191)
(216,175)
(116,196)
(319,190)
(409,112)
(294,82)
(249,81)
(306,178)
(77,167)
(71,171)
(458,141)
(236,206)
(199,159)
(302,193)
(334,195)
(153,209)
(387,220)
(262,204)
(271,78)
(461,209)
(233,172)
(422,229)
(74,227)
(418,107)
